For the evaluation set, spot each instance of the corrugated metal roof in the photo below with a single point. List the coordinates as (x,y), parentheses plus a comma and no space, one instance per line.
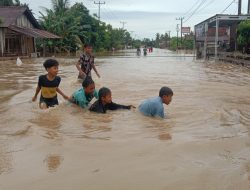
(9,15)
(36,33)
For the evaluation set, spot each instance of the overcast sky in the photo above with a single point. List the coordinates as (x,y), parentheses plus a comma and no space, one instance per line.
(145,18)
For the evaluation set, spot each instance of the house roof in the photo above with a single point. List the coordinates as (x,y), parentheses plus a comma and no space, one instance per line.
(9,15)
(36,33)
(225,19)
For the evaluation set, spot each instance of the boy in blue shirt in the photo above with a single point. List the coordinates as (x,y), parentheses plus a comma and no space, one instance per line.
(84,95)
(154,106)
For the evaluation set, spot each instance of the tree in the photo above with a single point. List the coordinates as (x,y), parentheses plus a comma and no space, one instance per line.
(147,42)
(157,40)
(243,31)
(60,6)
(173,43)
(10,3)
(76,26)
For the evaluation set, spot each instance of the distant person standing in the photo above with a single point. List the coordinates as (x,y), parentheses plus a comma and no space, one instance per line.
(86,63)
(145,50)
(138,51)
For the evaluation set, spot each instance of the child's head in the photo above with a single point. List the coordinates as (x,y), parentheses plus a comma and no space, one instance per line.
(88,48)
(51,66)
(105,95)
(88,85)
(166,95)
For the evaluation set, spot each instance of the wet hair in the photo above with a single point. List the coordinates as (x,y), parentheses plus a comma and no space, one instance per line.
(87,81)
(87,45)
(165,91)
(50,63)
(103,92)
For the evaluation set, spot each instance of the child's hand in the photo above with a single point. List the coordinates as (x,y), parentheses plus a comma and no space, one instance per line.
(131,106)
(82,74)
(70,98)
(67,98)
(34,99)
(98,75)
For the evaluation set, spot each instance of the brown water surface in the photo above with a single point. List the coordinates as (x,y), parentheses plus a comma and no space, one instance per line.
(202,144)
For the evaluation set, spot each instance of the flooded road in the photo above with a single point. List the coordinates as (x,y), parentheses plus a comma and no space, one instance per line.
(204,143)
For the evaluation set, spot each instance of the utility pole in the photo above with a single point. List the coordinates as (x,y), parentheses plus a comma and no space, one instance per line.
(177,30)
(181,19)
(99,5)
(123,23)
(239,6)
(248,8)
(131,32)
(169,39)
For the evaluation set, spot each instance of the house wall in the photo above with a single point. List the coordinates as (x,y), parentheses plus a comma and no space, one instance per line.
(17,44)
(29,45)
(23,21)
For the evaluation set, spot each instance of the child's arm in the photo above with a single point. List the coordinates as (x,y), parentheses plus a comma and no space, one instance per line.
(160,113)
(79,69)
(62,94)
(114,106)
(96,71)
(37,91)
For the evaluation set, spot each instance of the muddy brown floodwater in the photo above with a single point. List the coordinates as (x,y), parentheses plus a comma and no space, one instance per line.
(204,143)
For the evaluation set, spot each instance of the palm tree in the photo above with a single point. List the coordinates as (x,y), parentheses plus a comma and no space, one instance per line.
(60,6)
(6,3)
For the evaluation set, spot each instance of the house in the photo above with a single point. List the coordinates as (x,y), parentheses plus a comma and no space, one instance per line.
(18,31)
(217,34)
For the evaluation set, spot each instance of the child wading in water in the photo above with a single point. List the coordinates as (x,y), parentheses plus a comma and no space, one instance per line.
(49,85)
(86,63)
(84,95)
(105,103)
(154,106)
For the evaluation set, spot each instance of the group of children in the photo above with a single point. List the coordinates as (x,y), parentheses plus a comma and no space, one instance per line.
(48,84)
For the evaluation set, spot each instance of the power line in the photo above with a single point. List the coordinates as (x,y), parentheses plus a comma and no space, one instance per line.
(177,30)
(181,19)
(197,8)
(110,13)
(191,7)
(228,6)
(90,6)
(205,6)
(106,13)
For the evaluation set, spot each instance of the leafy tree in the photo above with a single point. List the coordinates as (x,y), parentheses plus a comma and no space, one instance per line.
(243,31)
(10,3)
(60,6)
(76,26)
(173,43)
(157,40)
